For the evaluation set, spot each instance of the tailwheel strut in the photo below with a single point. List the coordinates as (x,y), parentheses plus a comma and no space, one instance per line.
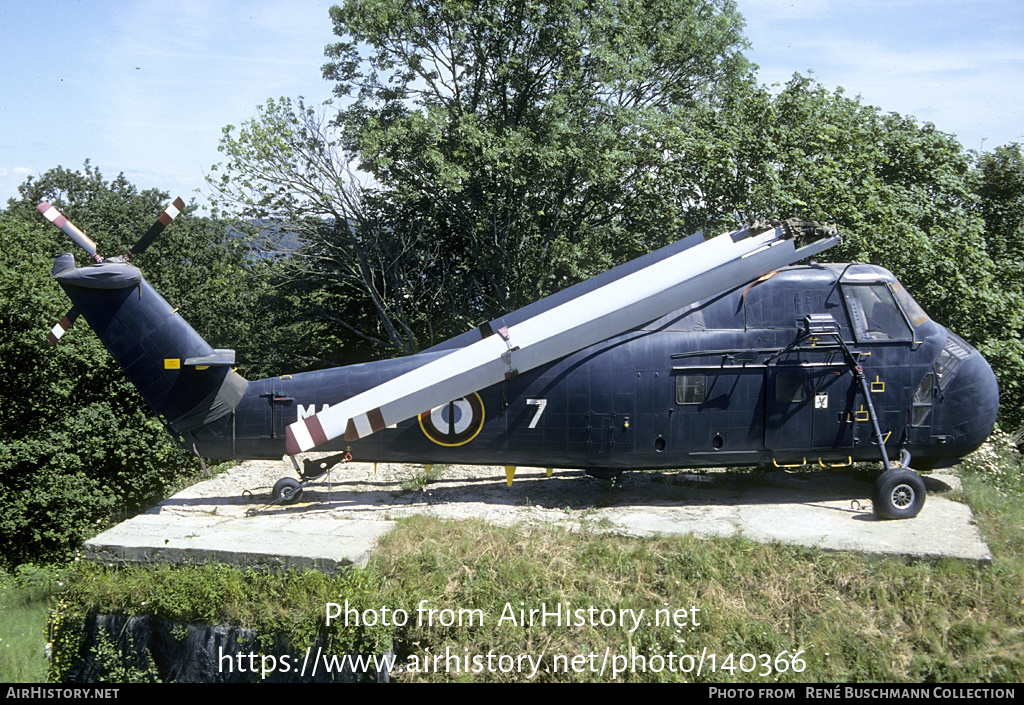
(288,490)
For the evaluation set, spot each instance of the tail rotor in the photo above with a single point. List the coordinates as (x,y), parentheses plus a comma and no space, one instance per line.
(156,228)
(81,239)
(86,243)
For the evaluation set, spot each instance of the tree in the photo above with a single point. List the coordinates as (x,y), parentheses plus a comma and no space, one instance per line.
(79,448)
(998,181)
(198,264)
(512,148)
(358,267)
(529,136)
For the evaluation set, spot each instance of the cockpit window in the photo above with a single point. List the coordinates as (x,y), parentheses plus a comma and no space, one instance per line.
(955,352)
(913,310)
(874,314)
(922,402)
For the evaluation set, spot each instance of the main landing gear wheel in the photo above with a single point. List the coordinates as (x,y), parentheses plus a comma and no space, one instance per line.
(899,494)
(287,491)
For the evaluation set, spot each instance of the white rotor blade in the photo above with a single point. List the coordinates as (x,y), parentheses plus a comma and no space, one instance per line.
(692,275)
(81,239)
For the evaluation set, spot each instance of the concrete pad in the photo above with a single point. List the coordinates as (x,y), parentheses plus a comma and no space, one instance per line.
(336,522)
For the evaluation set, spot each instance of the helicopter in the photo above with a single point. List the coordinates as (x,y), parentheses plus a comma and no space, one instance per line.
(705,353)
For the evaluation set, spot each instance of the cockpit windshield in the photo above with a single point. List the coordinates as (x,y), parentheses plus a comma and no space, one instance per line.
(874,314)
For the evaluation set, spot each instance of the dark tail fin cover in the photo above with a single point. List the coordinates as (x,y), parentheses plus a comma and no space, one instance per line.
(179,375)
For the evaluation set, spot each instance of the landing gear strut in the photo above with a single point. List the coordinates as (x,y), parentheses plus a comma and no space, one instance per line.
(288,490)
(899,491)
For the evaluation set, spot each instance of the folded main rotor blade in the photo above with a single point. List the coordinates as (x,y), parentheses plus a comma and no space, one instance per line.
(81,239)
(560,297)
(156,228)
(697,273)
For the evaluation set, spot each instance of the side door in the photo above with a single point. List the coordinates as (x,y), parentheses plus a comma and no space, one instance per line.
(808,408)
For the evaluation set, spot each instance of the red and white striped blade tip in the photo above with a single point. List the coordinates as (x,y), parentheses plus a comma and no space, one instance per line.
(68,228)
(170,213)
(300,437)
(58,330)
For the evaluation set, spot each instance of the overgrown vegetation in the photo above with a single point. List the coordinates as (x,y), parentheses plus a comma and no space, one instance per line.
(79,448)
(25,600)
(837,616)
(429,475)
(527,171)
(465,585)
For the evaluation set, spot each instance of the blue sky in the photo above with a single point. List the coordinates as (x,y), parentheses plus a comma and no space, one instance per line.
(958,64)
(146,86)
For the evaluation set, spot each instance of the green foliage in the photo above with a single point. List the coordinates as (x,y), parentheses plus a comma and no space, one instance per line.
(904,195)
(528,136)
(851,617)
(79,448)
(25,600)
(512,149)
(998,181)
(998,462)
(362,278)
(429,475)
(271,603)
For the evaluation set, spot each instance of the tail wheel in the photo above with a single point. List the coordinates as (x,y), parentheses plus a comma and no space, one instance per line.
(287,491)
(899,494)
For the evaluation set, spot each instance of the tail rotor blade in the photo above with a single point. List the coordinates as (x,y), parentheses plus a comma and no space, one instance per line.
(81,239)
(158,227)
(62,325)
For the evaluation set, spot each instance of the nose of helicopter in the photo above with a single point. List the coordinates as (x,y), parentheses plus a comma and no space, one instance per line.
(972,403)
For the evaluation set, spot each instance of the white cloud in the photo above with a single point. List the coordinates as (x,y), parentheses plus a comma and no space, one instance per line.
(948,63)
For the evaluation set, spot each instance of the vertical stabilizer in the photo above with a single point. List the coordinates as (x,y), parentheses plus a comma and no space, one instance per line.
(179,375)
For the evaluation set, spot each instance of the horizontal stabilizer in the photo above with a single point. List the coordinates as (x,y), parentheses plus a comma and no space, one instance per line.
(219,357)
(696,273)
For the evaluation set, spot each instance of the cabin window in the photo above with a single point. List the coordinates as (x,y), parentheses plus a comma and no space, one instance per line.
(922,402)
(690,389)
(790,387)
(874,314)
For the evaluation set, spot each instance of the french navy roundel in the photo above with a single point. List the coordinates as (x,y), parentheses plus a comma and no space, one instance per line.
(455,423)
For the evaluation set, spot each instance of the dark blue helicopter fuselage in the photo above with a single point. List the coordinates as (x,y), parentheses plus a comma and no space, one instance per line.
(733,380)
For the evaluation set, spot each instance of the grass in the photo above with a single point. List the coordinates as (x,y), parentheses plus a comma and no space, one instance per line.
(427,476)
(852,618)
(25,601)
(762,610)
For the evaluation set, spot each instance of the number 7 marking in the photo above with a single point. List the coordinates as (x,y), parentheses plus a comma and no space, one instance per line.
(541,404)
